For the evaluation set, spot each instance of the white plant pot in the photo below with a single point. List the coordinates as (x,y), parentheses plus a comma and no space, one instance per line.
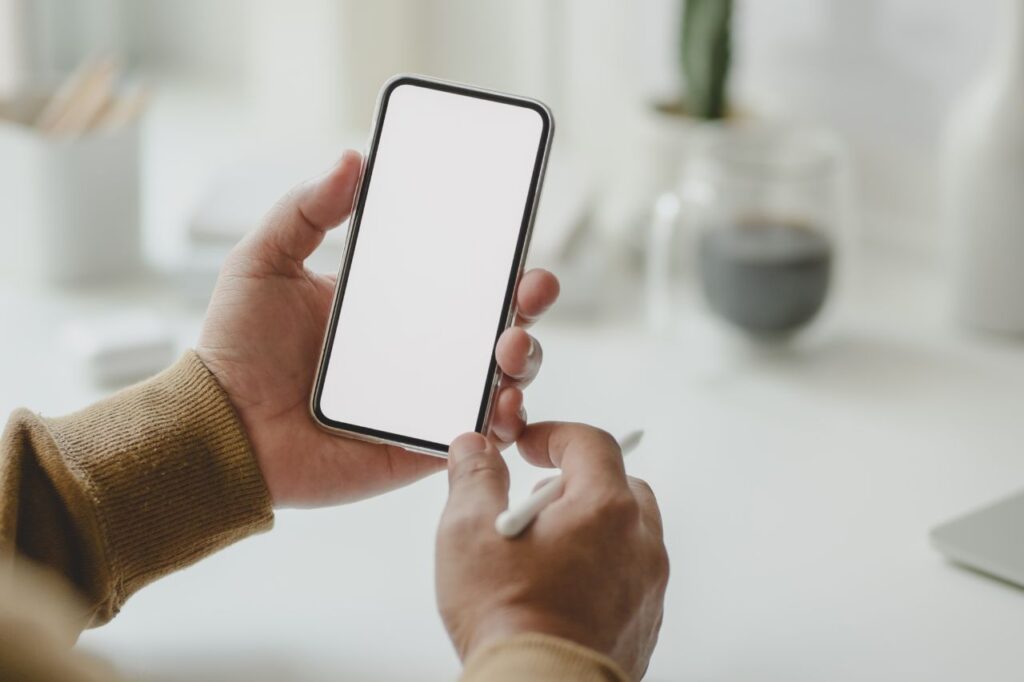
(666,137)
(663,142)
(69,207)
(984,187)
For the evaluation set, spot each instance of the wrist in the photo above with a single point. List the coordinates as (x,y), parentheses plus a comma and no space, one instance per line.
(506,623)
(257,447)
(534,656)
(166,472)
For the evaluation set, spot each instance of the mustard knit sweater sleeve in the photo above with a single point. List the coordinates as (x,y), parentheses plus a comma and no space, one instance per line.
(138,485)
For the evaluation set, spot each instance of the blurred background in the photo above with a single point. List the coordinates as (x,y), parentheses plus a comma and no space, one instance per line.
(233,82)
(789,235)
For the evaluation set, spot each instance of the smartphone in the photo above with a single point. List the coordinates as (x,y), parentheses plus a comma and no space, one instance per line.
(436,243)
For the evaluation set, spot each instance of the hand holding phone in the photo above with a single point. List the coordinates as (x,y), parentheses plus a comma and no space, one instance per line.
(264,330)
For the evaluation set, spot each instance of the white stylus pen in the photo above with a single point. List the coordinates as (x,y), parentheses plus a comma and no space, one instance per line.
(515,520)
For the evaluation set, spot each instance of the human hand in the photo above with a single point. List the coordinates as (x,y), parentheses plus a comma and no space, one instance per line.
(592,568)
(262,337)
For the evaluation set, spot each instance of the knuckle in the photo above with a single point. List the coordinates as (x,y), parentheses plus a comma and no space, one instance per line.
(648,502)
(289,201)
(478,468)
(619,509)
(642,487)
(662,567)
(589,435)
(472,473)
(604,439)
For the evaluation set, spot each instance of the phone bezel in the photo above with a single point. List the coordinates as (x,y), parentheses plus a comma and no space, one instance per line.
(508,310)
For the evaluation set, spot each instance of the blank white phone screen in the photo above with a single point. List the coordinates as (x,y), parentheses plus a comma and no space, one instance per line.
(446,199)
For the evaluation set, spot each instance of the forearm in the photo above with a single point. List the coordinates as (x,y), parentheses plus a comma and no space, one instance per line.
(145,482)
(131,488)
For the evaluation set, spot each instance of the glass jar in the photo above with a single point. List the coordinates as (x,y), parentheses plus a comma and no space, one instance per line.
(764,212)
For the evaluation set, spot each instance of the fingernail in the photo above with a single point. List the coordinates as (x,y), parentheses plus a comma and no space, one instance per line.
(530,319)
(522,413)
(348,154)
(467,444)
(532,349)
(502,436)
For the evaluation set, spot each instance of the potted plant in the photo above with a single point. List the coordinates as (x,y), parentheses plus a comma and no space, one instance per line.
(704,57)
(701,100)
(764,264)
(669,128)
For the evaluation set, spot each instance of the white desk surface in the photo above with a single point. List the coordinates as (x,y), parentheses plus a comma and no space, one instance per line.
(797,489)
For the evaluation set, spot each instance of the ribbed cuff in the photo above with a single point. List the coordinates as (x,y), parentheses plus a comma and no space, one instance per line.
(168,471)
(540,658)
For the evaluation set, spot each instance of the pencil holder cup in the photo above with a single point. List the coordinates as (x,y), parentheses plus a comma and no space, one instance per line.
(69,205)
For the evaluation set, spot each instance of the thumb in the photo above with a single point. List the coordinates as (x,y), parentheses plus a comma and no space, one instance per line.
(477,476)
(296,225)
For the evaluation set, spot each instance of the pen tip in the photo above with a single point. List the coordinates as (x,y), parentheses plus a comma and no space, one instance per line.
(629,442)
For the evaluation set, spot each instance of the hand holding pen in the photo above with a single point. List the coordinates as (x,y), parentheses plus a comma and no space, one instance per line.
(601,536)
(517,518)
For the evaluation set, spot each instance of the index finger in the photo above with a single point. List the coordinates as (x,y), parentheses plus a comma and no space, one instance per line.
(585,454)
